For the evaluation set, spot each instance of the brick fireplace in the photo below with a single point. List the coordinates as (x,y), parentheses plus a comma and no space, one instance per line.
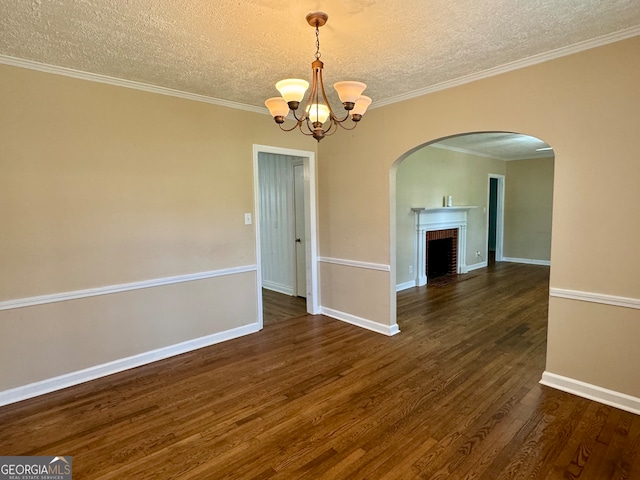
(441,241)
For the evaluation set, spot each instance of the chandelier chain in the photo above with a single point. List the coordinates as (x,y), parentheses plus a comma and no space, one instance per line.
(317,43)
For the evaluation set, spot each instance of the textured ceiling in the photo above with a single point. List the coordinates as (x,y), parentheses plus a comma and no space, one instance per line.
(236,50)
(503,146)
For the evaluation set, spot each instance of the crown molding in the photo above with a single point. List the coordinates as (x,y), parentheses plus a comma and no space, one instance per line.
(120,82)
(508,67)
(533,60)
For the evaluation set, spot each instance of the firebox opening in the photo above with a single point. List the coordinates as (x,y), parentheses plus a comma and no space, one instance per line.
(439,261)
(441,253)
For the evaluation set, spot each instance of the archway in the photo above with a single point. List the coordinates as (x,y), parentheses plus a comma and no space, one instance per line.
(446,185)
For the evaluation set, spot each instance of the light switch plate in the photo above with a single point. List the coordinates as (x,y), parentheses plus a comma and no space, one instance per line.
(247,219)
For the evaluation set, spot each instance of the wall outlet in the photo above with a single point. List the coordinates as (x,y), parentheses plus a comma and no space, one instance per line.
(410,268)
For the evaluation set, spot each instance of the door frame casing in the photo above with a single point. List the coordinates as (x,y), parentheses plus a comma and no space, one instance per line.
(294,203)
(311,226)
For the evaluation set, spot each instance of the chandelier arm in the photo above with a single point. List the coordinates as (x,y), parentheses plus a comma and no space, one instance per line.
(313,93)
(344,119)
(355,124)
(301,119)
(332,128)
(310,134)
(290,129)
(324,96)
(307,124)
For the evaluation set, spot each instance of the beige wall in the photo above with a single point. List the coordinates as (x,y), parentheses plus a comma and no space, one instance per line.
(423,179)
(585,106)
(528,209)
(594,343)
(103,185)
(48,340)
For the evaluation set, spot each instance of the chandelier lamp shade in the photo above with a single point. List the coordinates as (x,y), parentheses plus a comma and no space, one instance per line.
(317,118)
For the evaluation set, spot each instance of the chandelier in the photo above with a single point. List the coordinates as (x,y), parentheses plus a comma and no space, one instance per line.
(317,110)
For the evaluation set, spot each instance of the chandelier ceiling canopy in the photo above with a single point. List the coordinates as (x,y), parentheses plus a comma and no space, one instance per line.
(317,111)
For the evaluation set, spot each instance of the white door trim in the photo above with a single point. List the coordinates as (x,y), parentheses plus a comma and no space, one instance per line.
(301,287)
(311,226)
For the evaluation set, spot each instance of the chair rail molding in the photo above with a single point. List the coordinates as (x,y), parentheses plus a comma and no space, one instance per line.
(122,287)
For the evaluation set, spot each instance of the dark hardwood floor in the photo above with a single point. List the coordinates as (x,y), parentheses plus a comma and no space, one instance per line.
(454,396)
(278,307)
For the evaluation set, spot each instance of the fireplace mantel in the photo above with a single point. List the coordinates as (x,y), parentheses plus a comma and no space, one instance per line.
(441,218)
(438,209)
(442,210)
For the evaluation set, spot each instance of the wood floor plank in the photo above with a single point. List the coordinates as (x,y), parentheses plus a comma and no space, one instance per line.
(454,396)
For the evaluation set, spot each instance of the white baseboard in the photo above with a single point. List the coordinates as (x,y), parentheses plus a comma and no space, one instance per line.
(592,392)
(74,378)
(476,266)
(405,285)
(388,330)
(276,287)
(528,261)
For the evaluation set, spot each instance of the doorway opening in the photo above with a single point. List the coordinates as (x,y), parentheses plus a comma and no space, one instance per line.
(285,224)
(495,219)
